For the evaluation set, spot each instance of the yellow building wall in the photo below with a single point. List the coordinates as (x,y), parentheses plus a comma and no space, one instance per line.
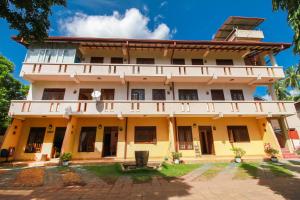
(158,150)
(95,122)
(222,145)
(48,138)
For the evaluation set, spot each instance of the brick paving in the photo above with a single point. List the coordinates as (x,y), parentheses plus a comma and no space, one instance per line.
(187,187)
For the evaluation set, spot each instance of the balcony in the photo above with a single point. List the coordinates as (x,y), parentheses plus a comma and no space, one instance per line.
(122,109)
(153,73)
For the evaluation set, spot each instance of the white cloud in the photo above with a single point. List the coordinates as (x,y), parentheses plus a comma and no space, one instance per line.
(294,92)
(131,25)
(162,4)
(266,97)
(146,9)
(158,17)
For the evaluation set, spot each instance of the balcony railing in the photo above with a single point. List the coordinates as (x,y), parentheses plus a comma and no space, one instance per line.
(132,72)
(152,108)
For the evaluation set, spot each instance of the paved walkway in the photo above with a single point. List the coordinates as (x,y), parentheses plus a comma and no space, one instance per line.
(188,187)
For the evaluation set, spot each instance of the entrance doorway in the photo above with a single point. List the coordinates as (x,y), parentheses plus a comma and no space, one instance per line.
(58,141)
(110,141)
(206,140)
(278,128)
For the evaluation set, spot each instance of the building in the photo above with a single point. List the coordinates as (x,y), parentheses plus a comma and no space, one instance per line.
(163,96)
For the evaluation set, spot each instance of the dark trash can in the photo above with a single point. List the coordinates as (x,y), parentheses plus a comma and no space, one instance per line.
(141,158)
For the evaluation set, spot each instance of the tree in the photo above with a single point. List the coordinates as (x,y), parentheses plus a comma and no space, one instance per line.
(10,89)
(29,17)
(293,10)
(280,90)
(292,78)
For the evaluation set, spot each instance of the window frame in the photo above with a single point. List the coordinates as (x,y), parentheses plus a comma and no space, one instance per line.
(85,91)
(117,60)
(86,150)
(228,62)
(178,60)
(31,131)
(188,145)
(190,91)
(63,90)
(195,60)
(232,91)
(101,59)
(232,136)
(145,61)
(163,94)
(154,134)
(217,90)
(136,89)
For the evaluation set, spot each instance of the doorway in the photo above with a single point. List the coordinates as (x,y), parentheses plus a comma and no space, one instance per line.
(110,141)
(58,141)
(206,140)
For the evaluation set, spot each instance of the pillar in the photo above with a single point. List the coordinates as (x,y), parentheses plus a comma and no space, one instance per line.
(272,92)
(68,142)
(272,59)
(171,135)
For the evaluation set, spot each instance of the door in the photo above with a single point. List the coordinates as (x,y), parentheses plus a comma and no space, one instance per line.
(107,94)
(58,141)
(206,140)
(110,141)
(277,126)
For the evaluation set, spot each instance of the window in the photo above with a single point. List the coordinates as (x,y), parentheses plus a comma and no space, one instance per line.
(237,95)
(50,55)
(35,140)
(137,94)
(224,61)
(238,134)
(178,61)
(158,94)
(253,60)
(116,60)
(53,94)
(97,59)
(217,95)
(145,134)
(87,139)
(185,138)
(197,62)
(85,94)
(145,61)
(188,95)
(107,94)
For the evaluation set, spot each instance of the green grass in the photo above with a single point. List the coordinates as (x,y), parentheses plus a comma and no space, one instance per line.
(213,171)
(278,170)
(110,173)
(246,171)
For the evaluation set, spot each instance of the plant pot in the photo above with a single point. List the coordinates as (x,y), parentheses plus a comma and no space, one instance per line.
(238,160)
(65,163)
(274,159)
(176,161)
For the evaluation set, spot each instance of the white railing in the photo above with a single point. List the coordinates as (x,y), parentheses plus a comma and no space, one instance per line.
(151,70)
(127,108)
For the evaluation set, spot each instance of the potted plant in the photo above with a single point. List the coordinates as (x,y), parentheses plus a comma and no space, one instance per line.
(176,157)
(65,158)
(271,152)
(238,154)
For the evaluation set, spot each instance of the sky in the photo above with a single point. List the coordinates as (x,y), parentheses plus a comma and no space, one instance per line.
(159,19)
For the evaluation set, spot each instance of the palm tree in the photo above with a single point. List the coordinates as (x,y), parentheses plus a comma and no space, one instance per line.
(292,78)
(280,90)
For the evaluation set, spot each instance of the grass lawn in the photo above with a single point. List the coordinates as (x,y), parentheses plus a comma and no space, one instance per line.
(110,173)
(247,170)
(278,170)
(213,171)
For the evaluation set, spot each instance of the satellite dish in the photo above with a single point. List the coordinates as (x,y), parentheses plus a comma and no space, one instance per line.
(96,94)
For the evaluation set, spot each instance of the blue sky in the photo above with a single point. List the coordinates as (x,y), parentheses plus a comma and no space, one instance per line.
(174,19)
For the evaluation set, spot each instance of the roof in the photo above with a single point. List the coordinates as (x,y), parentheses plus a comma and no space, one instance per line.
(162,44)
(243,23)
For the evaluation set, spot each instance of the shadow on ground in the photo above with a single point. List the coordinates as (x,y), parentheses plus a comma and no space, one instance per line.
(277,177)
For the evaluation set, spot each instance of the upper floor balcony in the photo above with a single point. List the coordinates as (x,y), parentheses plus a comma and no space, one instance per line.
(120,109)
(80,72)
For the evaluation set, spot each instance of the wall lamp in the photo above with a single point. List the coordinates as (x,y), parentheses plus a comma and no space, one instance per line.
(100,126)
(50,126)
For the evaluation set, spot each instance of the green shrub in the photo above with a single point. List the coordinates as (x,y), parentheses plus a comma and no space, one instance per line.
(238,152)
(66,157)
(176,155)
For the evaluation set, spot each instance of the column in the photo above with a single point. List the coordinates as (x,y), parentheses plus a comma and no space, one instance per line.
(272,59)
(172,143)
(68,142)
(272,92)
(12,134)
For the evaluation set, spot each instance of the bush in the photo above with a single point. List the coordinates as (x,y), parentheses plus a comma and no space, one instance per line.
(66,157)
(270,150)
(176,155)
(238,152)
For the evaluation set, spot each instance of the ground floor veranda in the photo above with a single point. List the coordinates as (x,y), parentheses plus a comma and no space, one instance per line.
(195,137)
